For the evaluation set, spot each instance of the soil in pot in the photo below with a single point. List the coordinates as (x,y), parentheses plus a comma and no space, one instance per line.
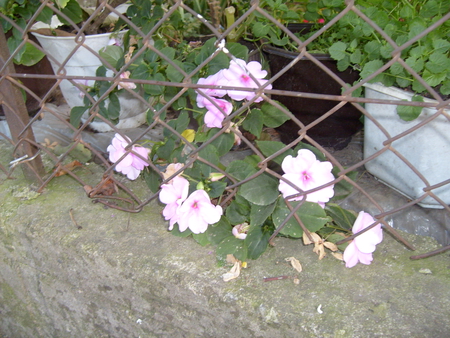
(336,130)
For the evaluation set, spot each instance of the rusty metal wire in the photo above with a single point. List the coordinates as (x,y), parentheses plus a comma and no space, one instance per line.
(133,203)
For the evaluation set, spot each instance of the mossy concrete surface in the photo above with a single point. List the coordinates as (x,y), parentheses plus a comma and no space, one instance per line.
(117,274)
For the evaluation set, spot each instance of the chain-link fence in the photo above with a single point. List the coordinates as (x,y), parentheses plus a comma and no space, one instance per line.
(148,82)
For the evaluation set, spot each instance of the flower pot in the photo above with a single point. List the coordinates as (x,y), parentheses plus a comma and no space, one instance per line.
(305,76)
(427,148)
(85,63)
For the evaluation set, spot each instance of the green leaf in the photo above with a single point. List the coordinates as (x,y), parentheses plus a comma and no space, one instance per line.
(370,67)
(29,55)
(441,45)
(257,241)
(219,231)
(75,115)
(272,116)
(342,217)
(262,190)
(343,64)
(176,232)
(254,122)
(113,106)
(337,50)
(173,74)
(152,179)
(356,57)
(210,154)
(240,169)
(434,79)
(238,50)
(312,215)
(232,246)
(409,113)
(216,189)
(238,213)
(223,143)
(73,11)
(201,239)
(111,54)
(260,29)
(259,213)
(271,147)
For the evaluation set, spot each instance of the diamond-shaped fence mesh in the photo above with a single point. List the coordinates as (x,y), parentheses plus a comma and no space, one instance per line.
(65,93)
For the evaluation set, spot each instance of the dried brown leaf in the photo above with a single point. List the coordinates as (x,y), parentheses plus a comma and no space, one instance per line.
(331,246)
(338,255)
(295,263)
(231,259)
(233,273)
(320,250)
(68,167)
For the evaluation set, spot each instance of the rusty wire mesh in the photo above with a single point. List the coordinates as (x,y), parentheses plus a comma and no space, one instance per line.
(22,135)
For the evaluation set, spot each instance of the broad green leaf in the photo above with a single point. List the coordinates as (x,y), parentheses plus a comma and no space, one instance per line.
(201,239)
(254,122)
(370,67)
(372,48)
(262,190)
(31,55)
(223,143)
(240,169)
(343,188)
(75,115)
(176,231)
(152,179)
(342,217)
(238,211)
(343,64)
(216,189)
(356,56)
(337,50)
(312,215)
(73,11)
(260,29)
(113,106)
(445,89)
(272,116)
(238,50)
(410,113)
(434,79)
(259,213)
(396,69)
(441,45)
(232,246)
(111,54)
(257,241)
(209,153)
(219,231)
(271,147)
(173,74)
(166,149)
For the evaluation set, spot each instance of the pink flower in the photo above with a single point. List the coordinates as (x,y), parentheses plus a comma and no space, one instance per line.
(214,116)
(173,195)
(306,172)
(131,165)
(197,212)
(171,169)
(129,85)
(361,248)
(321,20)
(240,231)
(212,80)
(237,75)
